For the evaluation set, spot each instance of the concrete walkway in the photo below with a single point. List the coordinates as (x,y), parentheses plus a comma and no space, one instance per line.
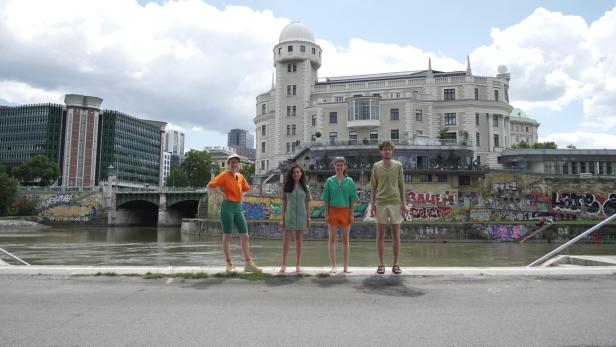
(558,266)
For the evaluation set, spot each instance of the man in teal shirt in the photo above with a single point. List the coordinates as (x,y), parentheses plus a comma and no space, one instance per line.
(388,203)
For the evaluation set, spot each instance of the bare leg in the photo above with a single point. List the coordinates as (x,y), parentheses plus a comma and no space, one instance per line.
(285,250)
(346,247)
(331,246)
(245,246)
(226,242)
(395,238)
(299,235)
(380,243)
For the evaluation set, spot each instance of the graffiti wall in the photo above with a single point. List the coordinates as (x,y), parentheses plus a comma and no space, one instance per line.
(70,208)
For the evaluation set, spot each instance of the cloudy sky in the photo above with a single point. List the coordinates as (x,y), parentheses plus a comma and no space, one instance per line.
(199,65)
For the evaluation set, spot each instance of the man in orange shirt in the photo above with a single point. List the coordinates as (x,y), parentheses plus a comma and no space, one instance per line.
(232,185)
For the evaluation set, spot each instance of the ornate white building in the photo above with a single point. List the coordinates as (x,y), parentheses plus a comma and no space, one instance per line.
(423,111)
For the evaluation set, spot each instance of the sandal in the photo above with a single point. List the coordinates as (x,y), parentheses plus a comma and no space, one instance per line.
(396,269)
(380,270)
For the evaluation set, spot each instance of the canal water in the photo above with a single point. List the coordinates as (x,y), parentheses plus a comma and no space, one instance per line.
(151,246)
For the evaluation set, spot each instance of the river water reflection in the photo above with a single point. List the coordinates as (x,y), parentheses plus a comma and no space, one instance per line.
(153,246)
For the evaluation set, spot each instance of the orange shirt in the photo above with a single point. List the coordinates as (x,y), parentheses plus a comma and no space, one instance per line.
(232,186)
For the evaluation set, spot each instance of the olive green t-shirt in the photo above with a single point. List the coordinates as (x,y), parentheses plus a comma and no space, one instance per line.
(386,182)
(339,195)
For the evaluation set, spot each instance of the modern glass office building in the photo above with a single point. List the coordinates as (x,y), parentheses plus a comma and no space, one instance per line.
(30,130)
(132,146)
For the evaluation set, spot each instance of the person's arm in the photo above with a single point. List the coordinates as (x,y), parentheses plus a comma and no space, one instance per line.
(308,198)
(373,186)
(214,186)
(403,207)
(283,210)
(353,200)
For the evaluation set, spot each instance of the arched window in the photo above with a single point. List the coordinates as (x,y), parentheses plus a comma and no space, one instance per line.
(263,109)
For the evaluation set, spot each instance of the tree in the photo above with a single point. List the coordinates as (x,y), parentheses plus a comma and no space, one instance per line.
(545,145)
(521,145)
(248,171)
(571,146)
(177,177)
(37,170)
(8,190)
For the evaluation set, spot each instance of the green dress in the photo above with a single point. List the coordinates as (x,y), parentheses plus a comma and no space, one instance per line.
(295,217)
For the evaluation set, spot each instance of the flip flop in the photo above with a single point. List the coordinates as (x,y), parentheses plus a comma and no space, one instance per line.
(380,270)
(396,269)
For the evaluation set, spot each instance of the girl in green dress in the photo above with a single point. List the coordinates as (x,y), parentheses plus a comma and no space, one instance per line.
(294,217)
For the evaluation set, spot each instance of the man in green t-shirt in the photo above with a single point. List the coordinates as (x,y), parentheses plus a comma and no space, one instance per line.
(388,202)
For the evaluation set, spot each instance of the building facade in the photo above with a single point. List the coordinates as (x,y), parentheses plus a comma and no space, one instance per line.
(421,110)
(243,142)
(562,162)
(173,142)
(30,130)
(523,128)
(133,147)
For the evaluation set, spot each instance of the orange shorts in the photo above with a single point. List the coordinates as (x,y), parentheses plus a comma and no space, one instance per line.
(339,216)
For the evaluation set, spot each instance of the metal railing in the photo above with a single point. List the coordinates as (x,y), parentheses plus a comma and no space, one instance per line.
(14,256)
(572,241)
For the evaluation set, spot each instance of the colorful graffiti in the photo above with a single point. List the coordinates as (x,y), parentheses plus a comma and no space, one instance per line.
(588,203)
(435,199)
(70,208)
(427,213)
(501,232)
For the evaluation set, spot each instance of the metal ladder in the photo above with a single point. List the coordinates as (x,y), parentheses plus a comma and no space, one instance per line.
(572,241)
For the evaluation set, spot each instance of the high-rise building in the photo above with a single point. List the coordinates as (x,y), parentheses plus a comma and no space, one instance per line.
(30,130)
(243,142)
(174,143)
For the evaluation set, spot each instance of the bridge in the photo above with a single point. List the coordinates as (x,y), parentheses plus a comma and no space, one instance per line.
(164,207)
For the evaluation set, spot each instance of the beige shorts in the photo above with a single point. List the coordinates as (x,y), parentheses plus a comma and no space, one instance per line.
(388,213)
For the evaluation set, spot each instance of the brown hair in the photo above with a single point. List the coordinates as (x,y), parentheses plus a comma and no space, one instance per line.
(386,143)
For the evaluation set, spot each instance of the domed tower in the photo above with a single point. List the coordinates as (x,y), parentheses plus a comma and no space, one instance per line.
(280,116)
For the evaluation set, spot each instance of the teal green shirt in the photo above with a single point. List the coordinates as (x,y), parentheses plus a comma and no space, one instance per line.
(387,182)
(339,195)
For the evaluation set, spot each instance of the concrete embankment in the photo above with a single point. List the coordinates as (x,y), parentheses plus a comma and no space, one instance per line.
(20,224)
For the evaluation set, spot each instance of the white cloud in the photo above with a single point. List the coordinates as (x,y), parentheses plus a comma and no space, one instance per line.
(200,68)
(582,139)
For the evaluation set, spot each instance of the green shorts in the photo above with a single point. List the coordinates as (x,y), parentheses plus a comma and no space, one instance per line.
(231,213)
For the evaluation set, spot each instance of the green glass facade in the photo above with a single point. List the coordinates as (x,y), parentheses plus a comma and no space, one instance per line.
(132,146)
(30,130)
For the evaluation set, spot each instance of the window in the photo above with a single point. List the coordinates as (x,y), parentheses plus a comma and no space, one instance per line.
(419,132)
(395,95)
(425,178)
(496,140)
(262,164)
(333,137)
(526,129)
(374,135)
(280,50)
(495,121)
(394,114)
(415,94)
(495,95)
(407,178)
(441,178)
(263,147)
(333,117)
(477,139)
(288,147)
(476,93)
(263,109)
(293,129)
(452,136)
(363,109)
(339,98)
(292,89)
(314,121)
(477,119)
(294,145)
(314,50)
(263,133)
(302,48)
(353,137)
(395,134)
(291,111)
(418,116)
(464,180)
(450,119)
(449,94)
(288,130)
(292,67)
(289,49)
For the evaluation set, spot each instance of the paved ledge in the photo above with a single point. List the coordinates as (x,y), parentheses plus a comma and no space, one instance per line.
(355,271)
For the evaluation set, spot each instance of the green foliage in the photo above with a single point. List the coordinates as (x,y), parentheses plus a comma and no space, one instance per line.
(37,171)
(545,145)
(8,191)
(24,206)
(248,171)
(317,134)
(177,177)
(193,172)
(571,146)
(521,145)
(442,134)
